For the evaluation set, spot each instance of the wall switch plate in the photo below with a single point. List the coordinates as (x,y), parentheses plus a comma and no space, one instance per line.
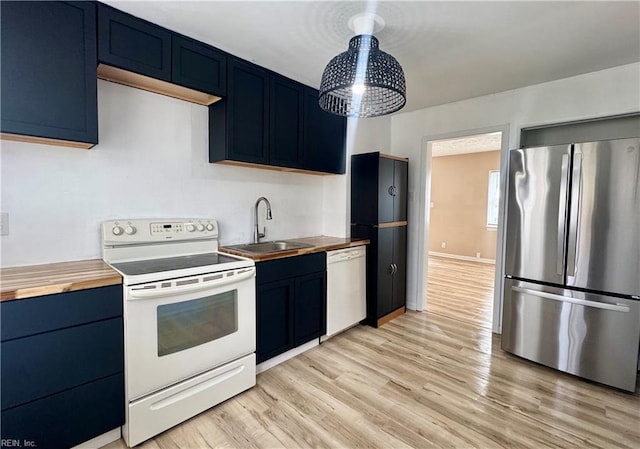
(4,223)
(431,204)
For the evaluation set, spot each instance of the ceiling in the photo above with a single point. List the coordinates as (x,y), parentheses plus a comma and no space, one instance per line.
(478,143)
(449,50)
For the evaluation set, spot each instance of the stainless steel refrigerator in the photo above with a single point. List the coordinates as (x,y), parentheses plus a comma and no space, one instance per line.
(572,285)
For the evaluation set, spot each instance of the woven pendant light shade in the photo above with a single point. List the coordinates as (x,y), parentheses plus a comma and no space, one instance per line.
(363,81)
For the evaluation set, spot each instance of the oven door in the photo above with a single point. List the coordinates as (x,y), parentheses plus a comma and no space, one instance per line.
(178,328)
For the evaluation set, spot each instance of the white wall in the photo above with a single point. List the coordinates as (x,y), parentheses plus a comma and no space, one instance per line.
(598,94)
(152,161)
(363,136)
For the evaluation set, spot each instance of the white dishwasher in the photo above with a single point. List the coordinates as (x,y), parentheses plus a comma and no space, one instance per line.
(346,289)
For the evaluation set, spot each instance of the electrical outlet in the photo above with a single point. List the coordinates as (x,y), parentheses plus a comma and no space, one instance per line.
(478,255)
(443,244)
(431,204)
(4,223)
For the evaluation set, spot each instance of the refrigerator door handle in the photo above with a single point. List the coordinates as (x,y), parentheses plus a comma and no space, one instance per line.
(576,199)
(562,208)
(578,301)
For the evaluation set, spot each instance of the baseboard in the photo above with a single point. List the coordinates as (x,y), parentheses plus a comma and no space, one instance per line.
(100,440)
(277,360)
(467,258)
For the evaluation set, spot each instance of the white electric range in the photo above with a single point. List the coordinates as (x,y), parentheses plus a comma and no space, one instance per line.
(189,320)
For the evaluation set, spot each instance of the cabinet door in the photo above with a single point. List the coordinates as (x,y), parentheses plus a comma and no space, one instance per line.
(399,292)
(248,112)
(386,170)
(364,188)
(274,319)
(48,70)
(400,178)
(133,44)
(324,137)
(198,66)
(310,307)
(385,271)
(285,122)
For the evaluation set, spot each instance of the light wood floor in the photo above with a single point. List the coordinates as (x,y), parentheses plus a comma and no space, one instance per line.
(423,380)
(461,290)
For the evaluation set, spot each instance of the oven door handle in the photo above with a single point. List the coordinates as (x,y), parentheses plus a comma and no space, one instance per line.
(147,293)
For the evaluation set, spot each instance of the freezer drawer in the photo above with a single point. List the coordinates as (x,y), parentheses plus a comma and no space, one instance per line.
(591,336)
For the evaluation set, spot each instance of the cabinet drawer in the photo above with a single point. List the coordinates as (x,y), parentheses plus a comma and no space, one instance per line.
(24,317)
(133,44)
(69,418)
(198,66)
(44,364)
(289,267)
(586,334)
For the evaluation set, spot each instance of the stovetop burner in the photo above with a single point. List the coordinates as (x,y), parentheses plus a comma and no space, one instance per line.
(148,266)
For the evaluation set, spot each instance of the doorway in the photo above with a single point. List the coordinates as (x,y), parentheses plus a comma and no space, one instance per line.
(461,244)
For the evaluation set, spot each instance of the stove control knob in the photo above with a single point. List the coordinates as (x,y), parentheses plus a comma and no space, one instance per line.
(200,227)
(190,227)
(210,227)
(117,230)
(130,230)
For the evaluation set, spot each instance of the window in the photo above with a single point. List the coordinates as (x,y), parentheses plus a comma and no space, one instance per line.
(186,324)
(493,197)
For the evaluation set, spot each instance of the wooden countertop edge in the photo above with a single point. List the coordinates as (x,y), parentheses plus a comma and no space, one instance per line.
(296,252)
(51,289)
(40,280)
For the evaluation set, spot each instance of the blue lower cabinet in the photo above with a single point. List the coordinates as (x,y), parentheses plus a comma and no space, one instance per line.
(62,359)
(68,418)
(274,324)
(310,317)
(40,365)
(291,303)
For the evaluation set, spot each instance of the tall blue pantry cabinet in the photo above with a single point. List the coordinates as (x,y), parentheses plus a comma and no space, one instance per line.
(379,213)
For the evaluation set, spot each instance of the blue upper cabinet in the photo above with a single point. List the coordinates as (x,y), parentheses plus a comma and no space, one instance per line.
(324,137)
(48,70)
(239,124)
(198,66)
(285,121)
(133,44)
(275,122)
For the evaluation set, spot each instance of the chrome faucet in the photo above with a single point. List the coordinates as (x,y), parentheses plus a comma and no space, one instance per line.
(257,235)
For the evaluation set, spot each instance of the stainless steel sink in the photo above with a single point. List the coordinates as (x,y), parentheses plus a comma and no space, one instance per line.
(269,247)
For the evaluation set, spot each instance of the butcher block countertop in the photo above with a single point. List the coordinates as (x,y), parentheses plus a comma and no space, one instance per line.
(47,279)
(320,244)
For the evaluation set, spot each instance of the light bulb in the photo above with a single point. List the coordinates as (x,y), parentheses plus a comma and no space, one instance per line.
(358,88)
